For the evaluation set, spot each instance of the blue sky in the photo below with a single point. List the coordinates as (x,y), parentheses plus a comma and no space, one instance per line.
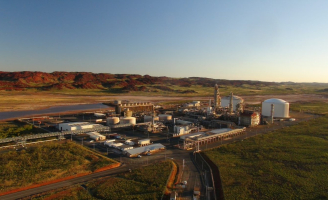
(274,40)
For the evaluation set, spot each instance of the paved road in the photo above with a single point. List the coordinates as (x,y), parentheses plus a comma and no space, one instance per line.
(191,175)
(67,183)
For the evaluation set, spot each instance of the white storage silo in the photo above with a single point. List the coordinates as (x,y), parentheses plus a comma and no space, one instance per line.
(165,117)
(281,108)
(112,120)
(128,120)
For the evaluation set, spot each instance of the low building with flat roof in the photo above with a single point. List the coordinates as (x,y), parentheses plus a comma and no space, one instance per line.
(144,149)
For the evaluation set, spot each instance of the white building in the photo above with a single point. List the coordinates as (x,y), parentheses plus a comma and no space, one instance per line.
(99,115)
(181,130)
(125,147)
(143,142)
(145,149)
(72,126)
(109,142)
(281,108)
(96,136)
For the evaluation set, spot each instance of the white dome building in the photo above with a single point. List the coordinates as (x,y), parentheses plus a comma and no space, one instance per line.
(281,108)
(225,101)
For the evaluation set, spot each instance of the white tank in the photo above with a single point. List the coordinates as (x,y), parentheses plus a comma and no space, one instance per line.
(225,101)
(112,120)
(164,117)
(148,118)
(281,108)
(128,120)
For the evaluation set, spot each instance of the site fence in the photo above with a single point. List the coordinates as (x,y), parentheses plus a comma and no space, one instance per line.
(207,176)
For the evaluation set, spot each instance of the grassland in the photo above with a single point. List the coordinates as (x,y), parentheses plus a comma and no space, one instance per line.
(13,129)
(46,162)
(311,107)
(290,163)
(143,183)
(35,99)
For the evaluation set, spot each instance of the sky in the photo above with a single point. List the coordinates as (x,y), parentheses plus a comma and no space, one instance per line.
(266,40)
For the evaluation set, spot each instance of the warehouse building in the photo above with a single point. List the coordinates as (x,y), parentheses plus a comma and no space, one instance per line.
(72,126)
(211,136)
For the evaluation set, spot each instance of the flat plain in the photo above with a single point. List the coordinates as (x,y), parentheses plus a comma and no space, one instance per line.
(290,163)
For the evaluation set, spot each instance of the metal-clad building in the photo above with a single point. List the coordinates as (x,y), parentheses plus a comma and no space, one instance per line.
(249,119)
(74,126)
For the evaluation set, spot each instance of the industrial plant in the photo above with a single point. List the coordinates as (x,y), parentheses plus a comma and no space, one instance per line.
(192,124)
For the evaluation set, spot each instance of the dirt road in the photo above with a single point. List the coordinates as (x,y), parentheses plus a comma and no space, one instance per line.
(41,101)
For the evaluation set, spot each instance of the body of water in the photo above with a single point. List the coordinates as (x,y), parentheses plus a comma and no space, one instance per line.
(51,110)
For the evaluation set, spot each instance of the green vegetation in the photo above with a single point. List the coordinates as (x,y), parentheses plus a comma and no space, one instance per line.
(244,89)
(290,163)
(46,162)
(13,129)
(144,183)
(312,107)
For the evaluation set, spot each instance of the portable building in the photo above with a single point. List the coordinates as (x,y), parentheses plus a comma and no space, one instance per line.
(117,145)
(143,142)
(96,136)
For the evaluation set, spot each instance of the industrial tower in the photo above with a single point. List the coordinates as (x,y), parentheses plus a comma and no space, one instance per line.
(231,103)
(217,98)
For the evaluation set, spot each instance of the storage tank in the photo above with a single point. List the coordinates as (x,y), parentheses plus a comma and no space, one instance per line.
(281,108)
(165,117)
(225,101)
(128,120)
(148,118)
(112,120)
(128,113)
